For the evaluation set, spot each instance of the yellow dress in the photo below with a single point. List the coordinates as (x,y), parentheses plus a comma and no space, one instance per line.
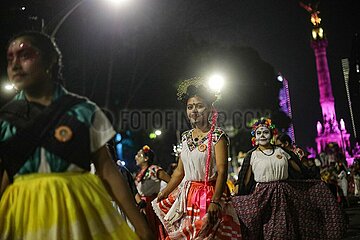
(60,206)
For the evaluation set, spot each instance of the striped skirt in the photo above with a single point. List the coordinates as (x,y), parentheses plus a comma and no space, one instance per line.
(184,216)
(60,206)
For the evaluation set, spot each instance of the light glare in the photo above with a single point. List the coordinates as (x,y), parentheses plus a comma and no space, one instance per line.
(9,87)
(216,82)
(152,135)
(118,2)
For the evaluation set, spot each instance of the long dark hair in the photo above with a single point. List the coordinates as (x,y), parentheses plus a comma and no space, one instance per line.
(48,49)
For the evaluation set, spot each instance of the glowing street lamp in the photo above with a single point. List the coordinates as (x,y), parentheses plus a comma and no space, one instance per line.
(216,82)
(118,2)
(76,5)
(155,134)
(158,132)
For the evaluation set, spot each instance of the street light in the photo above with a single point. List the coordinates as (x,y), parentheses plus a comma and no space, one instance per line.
(72,9)
(118,2)
(62,20)
(68,11)
(216,82)
(155,134)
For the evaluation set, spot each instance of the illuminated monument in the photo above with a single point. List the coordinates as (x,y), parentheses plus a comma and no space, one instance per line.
(328,130)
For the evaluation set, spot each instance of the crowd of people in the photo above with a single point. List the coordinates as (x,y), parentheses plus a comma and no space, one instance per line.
(50,138)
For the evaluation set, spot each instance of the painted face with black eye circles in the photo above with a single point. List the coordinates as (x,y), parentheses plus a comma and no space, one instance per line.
(263,135)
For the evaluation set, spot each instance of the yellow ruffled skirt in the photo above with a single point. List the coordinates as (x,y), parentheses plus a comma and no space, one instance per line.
(60,206)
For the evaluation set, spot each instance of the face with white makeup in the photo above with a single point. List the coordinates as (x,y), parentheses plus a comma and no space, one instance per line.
(198,111)
(263,136)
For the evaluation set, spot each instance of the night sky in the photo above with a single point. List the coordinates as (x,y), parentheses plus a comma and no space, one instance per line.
(142,36)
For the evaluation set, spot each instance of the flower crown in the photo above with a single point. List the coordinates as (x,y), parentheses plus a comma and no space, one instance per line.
(196,82)
(183,86)
(262,122)
(146,149)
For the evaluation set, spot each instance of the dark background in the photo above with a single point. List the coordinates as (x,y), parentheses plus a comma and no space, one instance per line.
(143,49)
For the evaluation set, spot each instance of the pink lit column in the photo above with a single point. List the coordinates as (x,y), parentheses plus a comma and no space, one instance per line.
(324,82)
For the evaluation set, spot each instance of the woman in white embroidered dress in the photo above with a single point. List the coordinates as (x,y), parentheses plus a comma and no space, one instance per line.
(148,183)
(199,208)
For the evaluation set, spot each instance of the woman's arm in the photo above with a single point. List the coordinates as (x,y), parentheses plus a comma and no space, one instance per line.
(221,157)
(4,183)
(248,176)
(246,180)
(4,180)
(175,180)
(118,189)
(294,166)
(162,175)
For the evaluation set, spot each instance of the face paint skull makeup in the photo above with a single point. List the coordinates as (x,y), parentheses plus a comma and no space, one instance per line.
(263,135)
(266,123)
(197,111)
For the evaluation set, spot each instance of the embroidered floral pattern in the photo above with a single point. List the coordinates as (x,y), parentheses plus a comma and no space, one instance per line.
(187,137)
(147,173)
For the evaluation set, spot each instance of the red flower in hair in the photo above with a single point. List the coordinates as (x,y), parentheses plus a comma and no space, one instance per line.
(146,149)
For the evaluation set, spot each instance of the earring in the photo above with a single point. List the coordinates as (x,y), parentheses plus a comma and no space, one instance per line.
(210,117)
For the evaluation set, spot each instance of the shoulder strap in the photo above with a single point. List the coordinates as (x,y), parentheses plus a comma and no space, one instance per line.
(32,134)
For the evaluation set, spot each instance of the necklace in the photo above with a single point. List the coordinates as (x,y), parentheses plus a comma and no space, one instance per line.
(200,136)
(273,150)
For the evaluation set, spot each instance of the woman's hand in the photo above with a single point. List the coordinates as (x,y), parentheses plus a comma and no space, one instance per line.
(175,180)
(162,195)
(214,211)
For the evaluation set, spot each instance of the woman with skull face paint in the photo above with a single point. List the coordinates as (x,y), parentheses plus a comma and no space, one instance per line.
(48,138)
(267,161)
(199,207)
(270,205)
